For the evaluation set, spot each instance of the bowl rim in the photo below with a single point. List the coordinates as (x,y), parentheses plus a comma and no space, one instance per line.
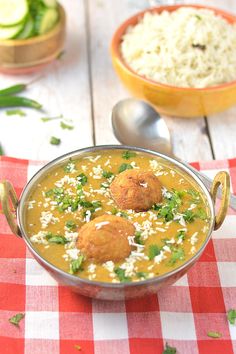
(116,40)
(41,38)
(74,278)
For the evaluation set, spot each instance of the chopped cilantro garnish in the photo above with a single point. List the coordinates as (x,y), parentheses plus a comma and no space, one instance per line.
(153,251)
(156,207)
(138,237)
(114,211)
(58,239)
(76,264)
(172,202)
(70,166)
(66,126)
(142,275)
(177,254)
(201,214)
(125,166)
(15,112)
(169,350)
(128,154)
(16,319)
(121,275)
(71,225)
(107,174)
(55,141)
(189,216)
(214,334)
(231,315)
(181,235)
(123,214)
(166,213)
(82,178)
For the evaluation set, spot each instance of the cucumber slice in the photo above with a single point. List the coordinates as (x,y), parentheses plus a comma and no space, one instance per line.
(28,29)
(12,12)
(50,3)
(46,20)
(10,32)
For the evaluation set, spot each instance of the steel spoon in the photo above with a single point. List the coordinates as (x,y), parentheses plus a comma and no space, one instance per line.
(136,123)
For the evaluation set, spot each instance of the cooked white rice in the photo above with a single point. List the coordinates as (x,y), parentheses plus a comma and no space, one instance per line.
(188,48)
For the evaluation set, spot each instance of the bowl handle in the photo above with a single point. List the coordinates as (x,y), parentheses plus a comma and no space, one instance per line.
(7,192)
(221,179)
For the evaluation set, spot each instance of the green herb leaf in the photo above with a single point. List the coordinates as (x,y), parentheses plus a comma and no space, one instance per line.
(153,251)
(181,235)
(16,319)
(128,154)
(55,141)
(76,264)
(71,225)
(177,254)
(214,334)
(1,150)
(138,238)
(82,179)
(142,275)
(124,167)
(169,350)
(48,119)
(114,211)
(123,214)
(121,275)
(58,239)
(107,174)
(70,166)
(231,315)
(66,126)
(201,214)
(189,216)
(15,112)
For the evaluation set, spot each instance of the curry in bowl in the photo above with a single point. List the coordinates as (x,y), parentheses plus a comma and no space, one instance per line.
(117,216)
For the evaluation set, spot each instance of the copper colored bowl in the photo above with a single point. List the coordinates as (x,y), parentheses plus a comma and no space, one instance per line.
(22,56)
(172,100)
(103,290)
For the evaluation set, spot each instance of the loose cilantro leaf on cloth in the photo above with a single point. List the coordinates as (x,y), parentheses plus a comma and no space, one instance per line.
(15,112)
(121,275)
(214,334)
(55,141)
(153,251)
(16,319)
(128,154)
(169,350)
(125,166)
(231,315)
(76,264)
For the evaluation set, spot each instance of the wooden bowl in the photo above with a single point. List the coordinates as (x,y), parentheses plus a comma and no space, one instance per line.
(22,56)
(172,100)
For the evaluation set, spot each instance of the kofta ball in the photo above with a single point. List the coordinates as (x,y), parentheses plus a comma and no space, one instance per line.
(106,239)
(136,190)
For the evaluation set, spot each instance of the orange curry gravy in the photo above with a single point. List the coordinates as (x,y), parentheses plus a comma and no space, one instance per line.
(74,193)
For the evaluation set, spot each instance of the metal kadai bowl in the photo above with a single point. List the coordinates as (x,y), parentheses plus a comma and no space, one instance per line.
(103,290)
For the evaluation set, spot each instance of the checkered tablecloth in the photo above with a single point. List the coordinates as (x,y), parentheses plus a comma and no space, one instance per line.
(56,320)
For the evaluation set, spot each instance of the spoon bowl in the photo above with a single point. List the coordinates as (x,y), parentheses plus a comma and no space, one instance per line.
(136,123)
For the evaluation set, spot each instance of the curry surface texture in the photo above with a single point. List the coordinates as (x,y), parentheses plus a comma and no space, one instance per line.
(74,193)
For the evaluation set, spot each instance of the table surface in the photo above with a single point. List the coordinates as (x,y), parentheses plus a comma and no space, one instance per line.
(83,87)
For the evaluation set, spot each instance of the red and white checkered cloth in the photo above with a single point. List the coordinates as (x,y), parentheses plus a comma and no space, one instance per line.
(56,320)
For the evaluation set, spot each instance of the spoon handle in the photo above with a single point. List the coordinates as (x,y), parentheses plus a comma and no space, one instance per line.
(208,183)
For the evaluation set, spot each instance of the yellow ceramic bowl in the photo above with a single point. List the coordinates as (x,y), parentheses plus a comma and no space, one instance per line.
(172,100)
(22,56)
